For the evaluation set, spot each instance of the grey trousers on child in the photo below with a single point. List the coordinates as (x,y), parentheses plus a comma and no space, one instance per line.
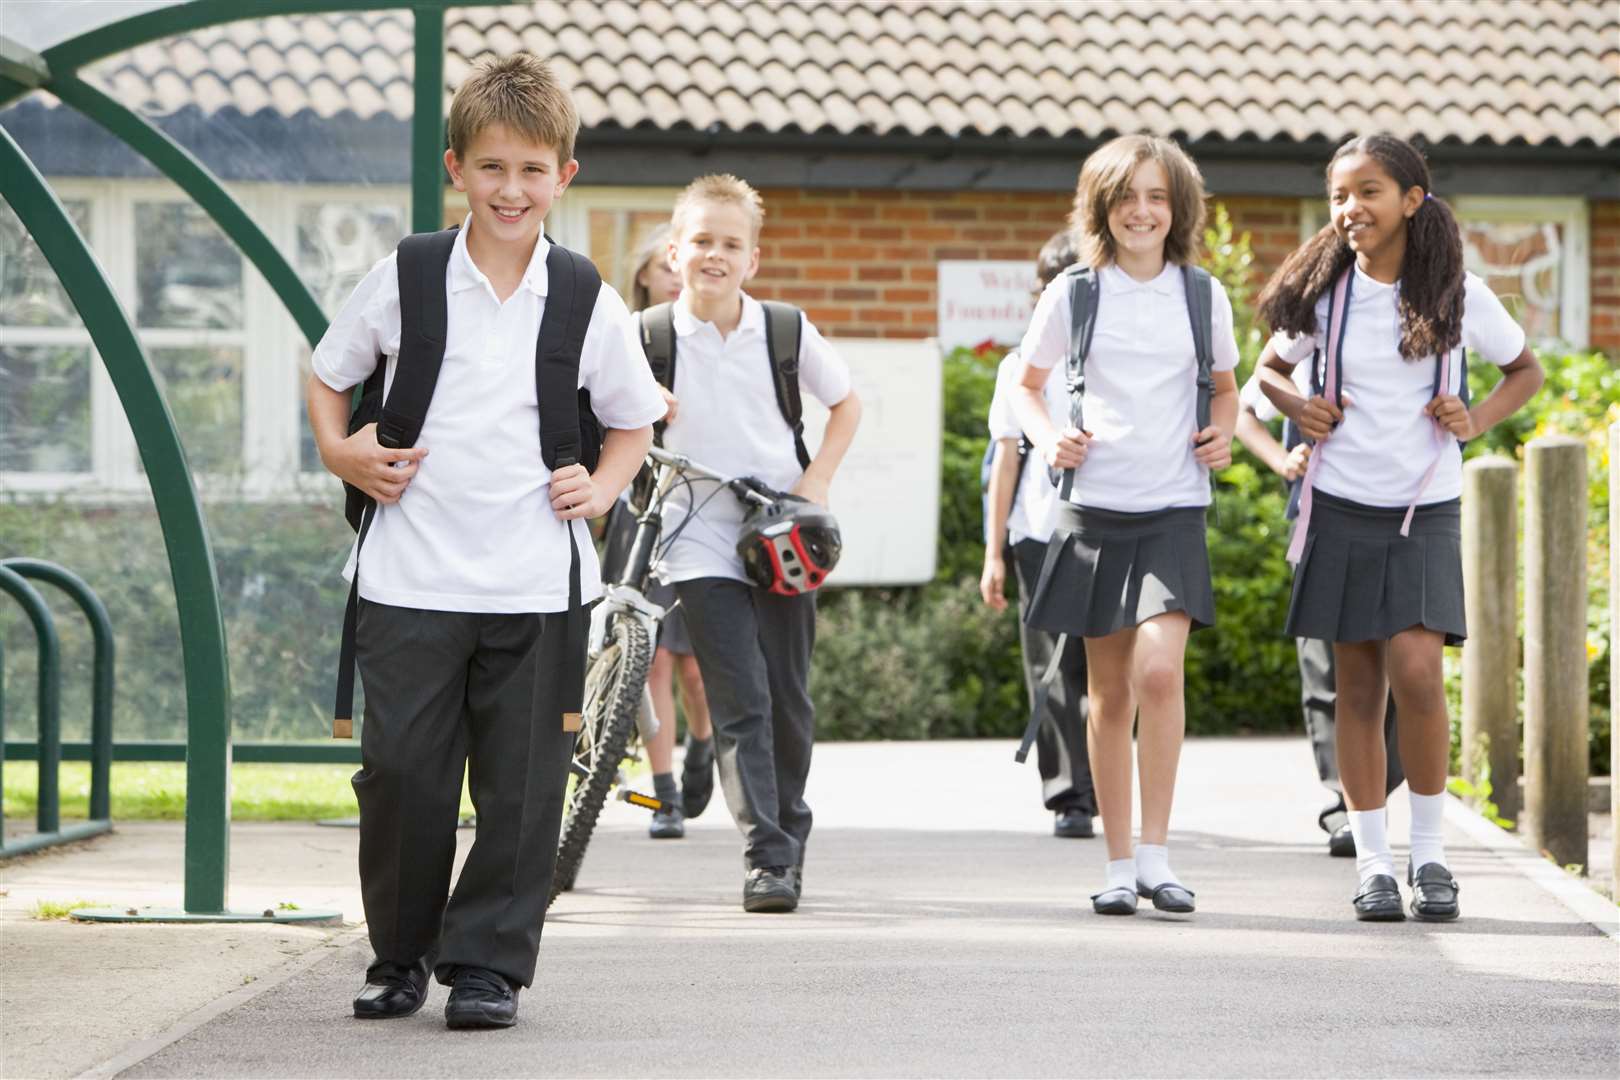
(1317,695)
(448,691)
(1060,743)
(753,648)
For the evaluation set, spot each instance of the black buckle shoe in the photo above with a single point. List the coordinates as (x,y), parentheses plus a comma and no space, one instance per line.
(668,823)
(480,998)
(1117,900)
(769,889)
(697,778)
(1434,892)
(1073,824)
(392,992)
(1170,896)
(1379,900)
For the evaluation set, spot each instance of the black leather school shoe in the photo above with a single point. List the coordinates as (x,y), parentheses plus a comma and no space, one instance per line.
(697,776)
(770,889)
(1379,900)
(1119,900)
(1073,825)
(392,992)
(480,998)
(1434,892)
(1170,896)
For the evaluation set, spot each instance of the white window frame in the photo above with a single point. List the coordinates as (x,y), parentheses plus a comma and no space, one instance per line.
(1571,212)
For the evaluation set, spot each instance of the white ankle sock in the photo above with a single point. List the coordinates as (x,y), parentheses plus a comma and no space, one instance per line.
(1428,843)
(1370,829)
(1122,874)
(1153,865)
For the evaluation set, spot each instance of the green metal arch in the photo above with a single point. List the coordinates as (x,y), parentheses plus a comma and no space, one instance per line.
(50,689)
(191,559)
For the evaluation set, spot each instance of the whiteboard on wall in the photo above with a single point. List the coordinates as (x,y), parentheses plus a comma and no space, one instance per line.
(886,493)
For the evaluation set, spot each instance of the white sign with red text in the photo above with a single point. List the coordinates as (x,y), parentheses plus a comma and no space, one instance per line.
(985,301)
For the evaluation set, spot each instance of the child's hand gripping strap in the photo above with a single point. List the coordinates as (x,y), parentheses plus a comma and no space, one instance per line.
(1083,295)
(1338,307)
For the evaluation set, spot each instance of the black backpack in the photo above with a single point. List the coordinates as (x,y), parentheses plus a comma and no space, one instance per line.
(782,333)
(570,434)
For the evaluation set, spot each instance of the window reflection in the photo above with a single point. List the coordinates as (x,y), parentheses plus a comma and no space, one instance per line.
(187,273)
(44,408)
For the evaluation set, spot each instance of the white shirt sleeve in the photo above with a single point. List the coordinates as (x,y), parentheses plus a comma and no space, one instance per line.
(613,368)
(1254,399)
(821,370)
(1225,336)
(366,327)
(1003,420)
(1046,342)
(1487,327)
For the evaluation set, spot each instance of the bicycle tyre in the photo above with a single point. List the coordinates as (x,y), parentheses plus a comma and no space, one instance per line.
(614,682)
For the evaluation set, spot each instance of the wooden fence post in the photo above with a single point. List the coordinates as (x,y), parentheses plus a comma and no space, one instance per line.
(1555,676)
(1490,686)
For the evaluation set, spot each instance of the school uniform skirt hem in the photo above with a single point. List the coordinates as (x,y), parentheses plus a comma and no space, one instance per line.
(1110,570)
(1360,580)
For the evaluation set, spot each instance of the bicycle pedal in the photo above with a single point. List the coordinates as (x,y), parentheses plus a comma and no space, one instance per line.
(636,798)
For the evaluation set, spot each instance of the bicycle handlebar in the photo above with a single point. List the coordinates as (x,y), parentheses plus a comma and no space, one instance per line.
(746,488)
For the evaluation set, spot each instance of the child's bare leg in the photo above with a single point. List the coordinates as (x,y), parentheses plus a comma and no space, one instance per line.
(661,747)
(1157,680)
(1108,735)
(1361,690)
(1424,728)
(693,701)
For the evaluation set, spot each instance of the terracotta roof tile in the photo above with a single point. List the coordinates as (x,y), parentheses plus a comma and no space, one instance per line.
(1500,71)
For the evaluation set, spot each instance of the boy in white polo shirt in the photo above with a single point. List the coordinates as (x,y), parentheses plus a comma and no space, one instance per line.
(465,638)
(753,646)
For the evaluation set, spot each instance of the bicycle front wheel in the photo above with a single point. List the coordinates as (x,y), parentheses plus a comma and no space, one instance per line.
(614,683)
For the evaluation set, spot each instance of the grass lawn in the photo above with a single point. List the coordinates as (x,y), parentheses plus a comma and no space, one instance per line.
(155,790)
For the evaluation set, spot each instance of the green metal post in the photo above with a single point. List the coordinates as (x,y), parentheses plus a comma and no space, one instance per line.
(191,559)
(175,161)
(50,696)
(101,699)
(427,122)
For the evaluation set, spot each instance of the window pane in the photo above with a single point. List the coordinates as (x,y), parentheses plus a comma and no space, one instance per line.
(617,235)
(1523,262)
(203,387)
(339,242)
(187,273)
(30,295)
(44,408)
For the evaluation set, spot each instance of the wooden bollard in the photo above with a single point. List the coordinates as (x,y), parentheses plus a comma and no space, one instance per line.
(1556,691)
(1490,686)
(1614,639)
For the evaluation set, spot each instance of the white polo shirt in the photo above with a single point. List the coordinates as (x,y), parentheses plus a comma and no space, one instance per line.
(728,421)
(475,531)
(1141,387)
(1386,442)
(1034,509)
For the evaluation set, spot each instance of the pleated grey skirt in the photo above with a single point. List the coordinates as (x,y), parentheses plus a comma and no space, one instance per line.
(1108,570)
(1359,579)
(672,632)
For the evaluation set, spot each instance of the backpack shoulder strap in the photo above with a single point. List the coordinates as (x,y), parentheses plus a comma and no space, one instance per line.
(655,326)
(424,315)
(784,328)
(1084,293)
(1201,310)
(572,285)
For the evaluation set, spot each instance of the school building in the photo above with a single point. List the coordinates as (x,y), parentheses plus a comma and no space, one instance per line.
(887,137)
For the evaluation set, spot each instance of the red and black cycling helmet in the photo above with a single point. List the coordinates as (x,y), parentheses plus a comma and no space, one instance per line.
(790,546)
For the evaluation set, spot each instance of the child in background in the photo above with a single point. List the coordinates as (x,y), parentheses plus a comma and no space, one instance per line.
(1128,569)
(1379,298)
(1020,506)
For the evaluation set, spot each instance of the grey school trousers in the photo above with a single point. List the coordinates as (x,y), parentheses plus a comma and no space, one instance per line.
(448,691)
(753,648)
(1317,696)
(1060,743)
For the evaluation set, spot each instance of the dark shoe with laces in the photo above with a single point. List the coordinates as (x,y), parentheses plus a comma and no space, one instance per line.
(1073,824)
(697,776)
(392,992)
(1379,900)
(1434,893)
(480,998)
(668,823)
(770,889)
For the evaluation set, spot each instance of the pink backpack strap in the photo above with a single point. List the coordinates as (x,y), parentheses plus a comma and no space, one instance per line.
(1335,345)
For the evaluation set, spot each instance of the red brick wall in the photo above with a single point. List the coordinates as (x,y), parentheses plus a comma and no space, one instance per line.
(862,262)
(1605,280)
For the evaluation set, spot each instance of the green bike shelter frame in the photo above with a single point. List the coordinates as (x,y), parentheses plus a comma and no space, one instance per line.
(185,534)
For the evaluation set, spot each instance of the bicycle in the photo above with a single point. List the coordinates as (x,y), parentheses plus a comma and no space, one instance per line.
(624,630)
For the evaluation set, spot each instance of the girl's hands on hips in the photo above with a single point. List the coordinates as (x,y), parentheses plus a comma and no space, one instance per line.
(1068,450)
(574,494)
(1213,448)
(1320,416)
(1449,411)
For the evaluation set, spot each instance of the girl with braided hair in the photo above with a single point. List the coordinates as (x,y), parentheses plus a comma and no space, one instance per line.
(1380,304)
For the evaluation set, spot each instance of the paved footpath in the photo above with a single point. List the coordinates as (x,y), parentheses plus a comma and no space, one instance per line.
(946,933)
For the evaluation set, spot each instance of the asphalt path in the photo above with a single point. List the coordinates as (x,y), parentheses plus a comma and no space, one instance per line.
(945,932)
